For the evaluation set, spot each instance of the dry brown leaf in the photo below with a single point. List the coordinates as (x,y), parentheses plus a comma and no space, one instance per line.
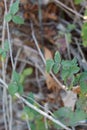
(70,99)
(76,89)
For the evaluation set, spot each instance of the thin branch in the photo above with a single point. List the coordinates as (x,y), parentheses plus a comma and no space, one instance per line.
(3,74)
(37,109)
(42,57)
(9,41)
(67,8)
(11,115)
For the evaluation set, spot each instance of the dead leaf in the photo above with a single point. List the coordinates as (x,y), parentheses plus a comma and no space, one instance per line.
(70,99)
(76,89)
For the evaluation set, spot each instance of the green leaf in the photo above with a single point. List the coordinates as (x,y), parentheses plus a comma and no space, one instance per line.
(83,82)
(27,71)
(20,89)
(17,20)
(22,78)
(8,17)
(79,115)
(15,77)
(56,68)
(68,117)
(40,124)
(12,88)
(57,57)
(14,8)
(4,54)
(71,27)
(64,115)
(84,32)
(78,1)
(49,65)
(1,51)
(31,98)
(30,113)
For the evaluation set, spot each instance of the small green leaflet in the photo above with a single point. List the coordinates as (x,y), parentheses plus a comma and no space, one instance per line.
(83,82)
(14,8)
(56,68)
(27,71)
(49,65)
(30,98)
(17,19)
(8,17)
(84,36)
(57,57)
(20,89)
(70,27)
(15,77)
(78,1)
(3,51)
(12,88)
(40,125)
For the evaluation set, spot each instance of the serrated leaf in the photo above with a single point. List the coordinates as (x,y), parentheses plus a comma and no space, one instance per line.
(79,115)
(8,17)
(12,88)
(20,89)
(30,113)
(27,71)
(83,82)
(56,68)
(17,19)
(74,61)
(14,8)
(64,115)
(49,65)
(68,117)
(15,77)
(57,57)
(64,74)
